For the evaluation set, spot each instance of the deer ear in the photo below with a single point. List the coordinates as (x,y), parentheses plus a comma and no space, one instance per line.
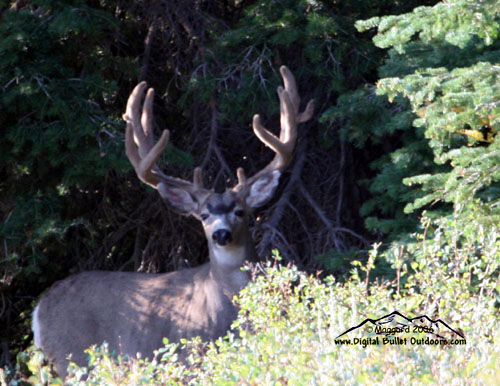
(263,189)
(178,198)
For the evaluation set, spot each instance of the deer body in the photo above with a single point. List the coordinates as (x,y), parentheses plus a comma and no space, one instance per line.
(133,311)
(129,306)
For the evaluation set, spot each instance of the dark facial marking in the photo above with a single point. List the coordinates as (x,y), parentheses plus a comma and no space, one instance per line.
(221,208)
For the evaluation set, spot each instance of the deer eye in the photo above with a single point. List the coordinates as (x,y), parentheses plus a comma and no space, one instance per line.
(204,216)
(239,213)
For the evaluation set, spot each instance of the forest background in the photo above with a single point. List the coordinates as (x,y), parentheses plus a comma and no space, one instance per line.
(403,147)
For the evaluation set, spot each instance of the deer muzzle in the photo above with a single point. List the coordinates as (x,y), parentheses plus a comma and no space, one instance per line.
(222,237)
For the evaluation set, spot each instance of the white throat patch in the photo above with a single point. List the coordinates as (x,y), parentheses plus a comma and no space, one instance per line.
(228,256)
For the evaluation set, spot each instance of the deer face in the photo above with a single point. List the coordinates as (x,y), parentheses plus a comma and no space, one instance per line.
(224,215)
(224,219)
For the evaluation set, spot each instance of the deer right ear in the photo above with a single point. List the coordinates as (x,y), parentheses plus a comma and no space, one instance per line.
(178,198)
(263,189)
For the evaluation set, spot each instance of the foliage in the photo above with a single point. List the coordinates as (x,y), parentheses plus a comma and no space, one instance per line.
(57,130)
(456,22)
(443,61)
(289,322)
(59,138)
(462,101)
(368,120)
(238,72)
(247,55)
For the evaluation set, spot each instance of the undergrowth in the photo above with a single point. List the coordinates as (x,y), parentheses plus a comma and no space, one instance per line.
(289,324)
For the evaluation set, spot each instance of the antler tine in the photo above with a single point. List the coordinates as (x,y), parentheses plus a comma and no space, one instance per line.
(139,142)
(141,127)
(141,149)
(291,88)
(197,179)
(289,119)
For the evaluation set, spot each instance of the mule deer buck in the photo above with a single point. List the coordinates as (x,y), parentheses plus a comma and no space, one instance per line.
(134,311)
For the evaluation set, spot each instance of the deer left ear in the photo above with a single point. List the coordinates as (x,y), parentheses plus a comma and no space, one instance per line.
(180,199)
(263,189)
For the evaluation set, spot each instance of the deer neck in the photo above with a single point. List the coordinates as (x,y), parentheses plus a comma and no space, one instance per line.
(226,263)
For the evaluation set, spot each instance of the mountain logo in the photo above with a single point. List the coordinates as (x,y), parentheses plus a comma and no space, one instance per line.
(398,322)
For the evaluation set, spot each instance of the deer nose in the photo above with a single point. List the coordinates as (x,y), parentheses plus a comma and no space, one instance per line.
(222,237)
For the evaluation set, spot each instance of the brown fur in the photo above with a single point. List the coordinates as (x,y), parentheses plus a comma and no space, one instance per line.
(133,311)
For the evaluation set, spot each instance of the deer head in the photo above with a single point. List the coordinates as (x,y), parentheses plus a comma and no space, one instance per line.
(224,216)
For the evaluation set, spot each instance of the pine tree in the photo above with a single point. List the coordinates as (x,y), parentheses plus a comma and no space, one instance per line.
(444,61)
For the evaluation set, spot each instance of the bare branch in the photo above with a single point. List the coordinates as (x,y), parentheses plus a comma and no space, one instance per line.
(148,42)
(325,219)
(279,208)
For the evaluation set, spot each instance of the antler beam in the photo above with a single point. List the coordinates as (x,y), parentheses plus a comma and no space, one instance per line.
(141,149)
(289,120)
